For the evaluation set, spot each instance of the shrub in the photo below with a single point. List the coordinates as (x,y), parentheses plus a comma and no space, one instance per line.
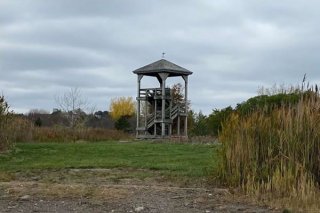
(123,124)
(268,102)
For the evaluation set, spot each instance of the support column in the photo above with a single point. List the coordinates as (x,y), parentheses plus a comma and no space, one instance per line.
(178,126)
(138,103)
(170,108)
(185,77)
(155,116)
(146,114)
(163,77)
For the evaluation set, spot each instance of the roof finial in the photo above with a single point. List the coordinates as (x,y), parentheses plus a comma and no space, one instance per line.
(163,54)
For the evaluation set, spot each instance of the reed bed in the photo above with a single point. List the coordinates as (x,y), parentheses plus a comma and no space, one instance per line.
(19,129)
(274,151)
(63,134)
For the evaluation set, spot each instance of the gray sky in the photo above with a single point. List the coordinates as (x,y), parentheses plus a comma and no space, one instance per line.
(232,47)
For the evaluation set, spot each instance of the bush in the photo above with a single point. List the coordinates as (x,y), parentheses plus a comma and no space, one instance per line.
(123,124)
(268,102)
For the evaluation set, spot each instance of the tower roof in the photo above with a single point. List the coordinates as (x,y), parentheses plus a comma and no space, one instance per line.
(162,66)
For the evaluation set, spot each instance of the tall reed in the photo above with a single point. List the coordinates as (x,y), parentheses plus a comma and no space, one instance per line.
(274,149)
(63,134)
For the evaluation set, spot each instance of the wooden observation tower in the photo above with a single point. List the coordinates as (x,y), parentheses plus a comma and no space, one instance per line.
(158,116)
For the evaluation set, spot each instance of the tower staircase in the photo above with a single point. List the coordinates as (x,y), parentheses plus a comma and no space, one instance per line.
(153,116)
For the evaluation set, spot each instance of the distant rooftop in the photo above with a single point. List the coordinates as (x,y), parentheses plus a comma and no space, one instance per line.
(162,66)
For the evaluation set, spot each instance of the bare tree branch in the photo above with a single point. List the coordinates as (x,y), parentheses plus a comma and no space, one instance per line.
(73,104)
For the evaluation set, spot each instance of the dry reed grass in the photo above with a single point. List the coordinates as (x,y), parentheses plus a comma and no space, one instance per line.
(206,139)
(15,129)
(62,134)
(274,153)
(19,129)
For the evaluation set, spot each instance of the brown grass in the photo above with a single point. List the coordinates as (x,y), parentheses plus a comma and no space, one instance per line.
(62,134)
(16,189)
(14,129)
(274,154)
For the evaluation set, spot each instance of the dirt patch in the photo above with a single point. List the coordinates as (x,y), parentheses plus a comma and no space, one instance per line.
(97,192)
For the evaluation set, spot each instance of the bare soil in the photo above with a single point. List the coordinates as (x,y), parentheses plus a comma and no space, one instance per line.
(115,190)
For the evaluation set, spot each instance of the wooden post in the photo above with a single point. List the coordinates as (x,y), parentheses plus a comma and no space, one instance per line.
(138,103)
(178,126)
(163,110)
(146,114)
(170,108)
(155,115)
(185,77)
(163,76)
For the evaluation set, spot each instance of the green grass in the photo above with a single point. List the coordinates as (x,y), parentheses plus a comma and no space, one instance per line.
(177,159)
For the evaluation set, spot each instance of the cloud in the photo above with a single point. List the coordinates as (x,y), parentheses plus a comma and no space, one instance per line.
(233,47)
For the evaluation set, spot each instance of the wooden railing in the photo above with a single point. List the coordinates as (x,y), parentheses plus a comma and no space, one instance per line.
(153,92)
(177,110)
(170,114)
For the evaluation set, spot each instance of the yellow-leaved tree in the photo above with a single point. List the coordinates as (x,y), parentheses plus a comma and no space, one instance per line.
(121,109)
(122,106)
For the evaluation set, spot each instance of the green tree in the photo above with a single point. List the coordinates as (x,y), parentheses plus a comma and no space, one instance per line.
(200,125)
(122,124)
(38,122)
(216,118)
(191,120)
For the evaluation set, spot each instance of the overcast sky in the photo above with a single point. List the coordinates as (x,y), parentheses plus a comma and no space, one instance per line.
(232,47)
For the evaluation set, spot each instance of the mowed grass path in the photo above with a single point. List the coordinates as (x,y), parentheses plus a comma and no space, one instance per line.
(177,159)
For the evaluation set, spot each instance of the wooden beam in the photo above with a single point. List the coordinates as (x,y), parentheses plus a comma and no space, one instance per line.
(185,78)
(138,103)
(163,76)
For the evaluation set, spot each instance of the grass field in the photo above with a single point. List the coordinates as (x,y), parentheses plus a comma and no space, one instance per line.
(181,160)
